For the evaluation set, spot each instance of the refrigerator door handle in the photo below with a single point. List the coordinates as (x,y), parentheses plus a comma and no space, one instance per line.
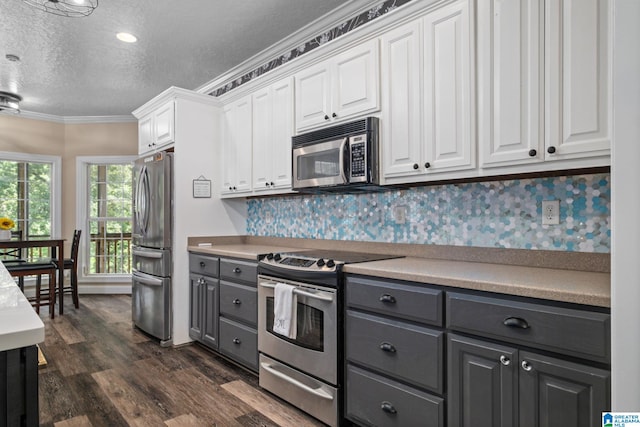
(145,279)
(147,254)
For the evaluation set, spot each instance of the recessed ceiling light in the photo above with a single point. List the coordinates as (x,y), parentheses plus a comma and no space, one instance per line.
(126,37)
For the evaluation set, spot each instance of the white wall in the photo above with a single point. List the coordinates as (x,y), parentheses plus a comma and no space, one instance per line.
(625,207)
(197,154)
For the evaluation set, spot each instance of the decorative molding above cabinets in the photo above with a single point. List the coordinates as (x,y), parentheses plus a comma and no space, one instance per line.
(545,84)
(338,88)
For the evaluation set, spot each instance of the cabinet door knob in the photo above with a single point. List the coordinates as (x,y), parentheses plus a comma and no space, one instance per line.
(532,153)
(326,117)
(236,340)
(526,366)
(389,348)
(201,281)
(388,298)
(236,301)
(230,188)
(237,270)
(505,360)
(234,188)
(415,166)
(388,408)
(271,183)
(266,184)
(334,115)
(427,165)
(515,322)
(551,150)
(202,264)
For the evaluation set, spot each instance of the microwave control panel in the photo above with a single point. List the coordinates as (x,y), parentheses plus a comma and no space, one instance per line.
(357,146)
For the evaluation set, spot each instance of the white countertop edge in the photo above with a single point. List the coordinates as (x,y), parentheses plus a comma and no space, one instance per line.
(20,325)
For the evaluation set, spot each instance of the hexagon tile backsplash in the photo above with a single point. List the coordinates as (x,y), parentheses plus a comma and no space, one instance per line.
(504,214)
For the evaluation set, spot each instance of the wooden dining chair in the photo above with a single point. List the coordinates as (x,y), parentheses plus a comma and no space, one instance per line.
(70,264)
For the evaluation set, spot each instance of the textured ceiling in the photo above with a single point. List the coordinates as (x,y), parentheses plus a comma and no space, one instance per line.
(77,67)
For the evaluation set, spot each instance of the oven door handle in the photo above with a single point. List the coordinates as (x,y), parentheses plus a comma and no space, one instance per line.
(299,291)
(317,392)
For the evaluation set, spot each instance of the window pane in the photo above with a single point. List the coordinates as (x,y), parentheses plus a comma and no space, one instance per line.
(109,222)
(25,196)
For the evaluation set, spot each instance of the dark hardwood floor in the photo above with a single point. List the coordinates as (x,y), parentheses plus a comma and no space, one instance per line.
(103,372)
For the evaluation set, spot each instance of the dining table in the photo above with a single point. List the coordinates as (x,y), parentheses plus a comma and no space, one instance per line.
(57,252)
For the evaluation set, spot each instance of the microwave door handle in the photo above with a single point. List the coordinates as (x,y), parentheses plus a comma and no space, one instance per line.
(344,165)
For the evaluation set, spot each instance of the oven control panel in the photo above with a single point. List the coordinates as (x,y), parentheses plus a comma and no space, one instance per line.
(297,262)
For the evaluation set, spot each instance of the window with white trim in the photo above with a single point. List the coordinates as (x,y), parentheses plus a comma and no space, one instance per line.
(29,195)
(105,215)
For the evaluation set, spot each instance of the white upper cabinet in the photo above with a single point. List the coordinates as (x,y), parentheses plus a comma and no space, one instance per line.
(272,131)
(544,82)
(157,129)
(448,80)
(401,100)
(427,87)
(578,84)
(510,70)
(339,88)
(236,147)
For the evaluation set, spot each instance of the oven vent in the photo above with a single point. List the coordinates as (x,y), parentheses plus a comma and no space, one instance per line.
(368,124)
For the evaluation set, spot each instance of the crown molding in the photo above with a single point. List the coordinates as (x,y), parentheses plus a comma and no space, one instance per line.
(72,120)
(304,34)
(173,93)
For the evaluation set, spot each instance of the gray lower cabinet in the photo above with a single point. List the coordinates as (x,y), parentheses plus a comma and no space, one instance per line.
(394,346)
(224,308)
(499,375)
(204,296)
(510,362)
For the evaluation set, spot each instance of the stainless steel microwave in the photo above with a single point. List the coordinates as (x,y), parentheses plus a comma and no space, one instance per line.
(343,157)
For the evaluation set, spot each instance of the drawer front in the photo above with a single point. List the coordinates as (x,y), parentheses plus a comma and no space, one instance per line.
(414,302)
(203,264)
(239,271)
(574,332)
(407,352)
(373,400)
(239,302)
(239,342)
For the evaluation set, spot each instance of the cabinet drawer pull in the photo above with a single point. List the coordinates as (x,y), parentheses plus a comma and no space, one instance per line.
(385,346)
(526,366)
(236,301)
(388,298)
(202,264)
(236,340)
(237,270)
(515,322)
(505,360)
(388,408)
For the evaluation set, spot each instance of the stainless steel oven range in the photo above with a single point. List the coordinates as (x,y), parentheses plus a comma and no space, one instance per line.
(305,370)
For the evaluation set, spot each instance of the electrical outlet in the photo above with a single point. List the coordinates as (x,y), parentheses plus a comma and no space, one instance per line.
(550,212)
(400,214)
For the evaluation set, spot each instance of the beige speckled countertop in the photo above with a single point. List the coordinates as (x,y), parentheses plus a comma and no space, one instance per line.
(243,251)
(559,285)
(462,269)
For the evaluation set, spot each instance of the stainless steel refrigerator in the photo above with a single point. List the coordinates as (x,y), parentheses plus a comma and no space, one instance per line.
(152,265)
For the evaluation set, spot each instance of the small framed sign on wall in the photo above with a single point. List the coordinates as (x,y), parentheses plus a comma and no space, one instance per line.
(201,188)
